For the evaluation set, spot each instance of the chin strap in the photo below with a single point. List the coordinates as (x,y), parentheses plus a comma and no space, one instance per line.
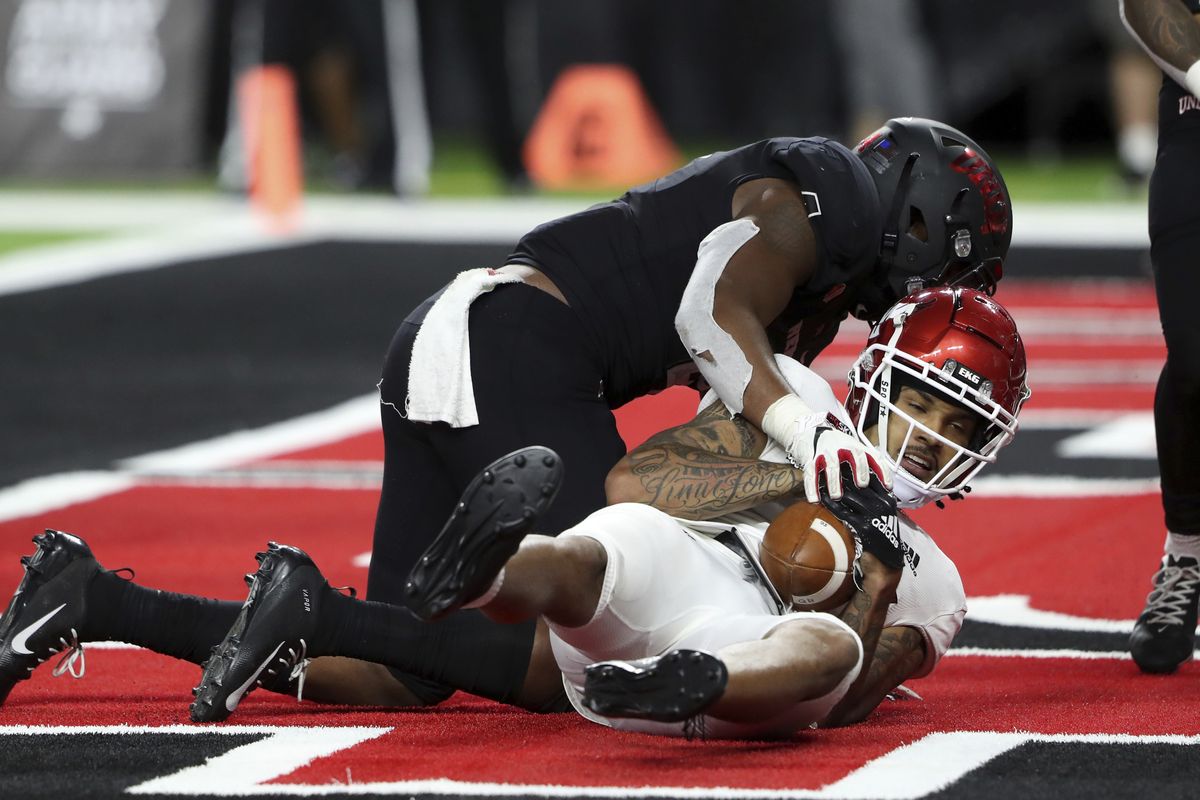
(966,490)
(891,233)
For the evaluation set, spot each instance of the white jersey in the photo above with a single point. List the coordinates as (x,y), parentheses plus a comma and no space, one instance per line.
(930,596)
(670,584)
(667,587)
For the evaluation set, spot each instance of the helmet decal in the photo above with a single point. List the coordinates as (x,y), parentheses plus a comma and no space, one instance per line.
(947,218)
(995,198)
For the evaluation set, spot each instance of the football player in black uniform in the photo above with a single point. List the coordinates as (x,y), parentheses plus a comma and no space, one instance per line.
(696,278)
(1169,30)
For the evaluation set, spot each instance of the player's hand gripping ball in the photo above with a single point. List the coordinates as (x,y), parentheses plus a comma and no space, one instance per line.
(809,555)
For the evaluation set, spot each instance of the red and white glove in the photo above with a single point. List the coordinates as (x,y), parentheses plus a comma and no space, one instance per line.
(814,445)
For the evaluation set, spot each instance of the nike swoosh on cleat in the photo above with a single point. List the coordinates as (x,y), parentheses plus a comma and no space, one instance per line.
(235,697)
(20,640)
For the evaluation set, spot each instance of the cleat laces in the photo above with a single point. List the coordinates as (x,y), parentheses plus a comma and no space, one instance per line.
(73,661)
(299,668)
(695,728)
(1174,591)
(296,663)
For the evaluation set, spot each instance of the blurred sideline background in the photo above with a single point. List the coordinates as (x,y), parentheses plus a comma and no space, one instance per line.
(450,98)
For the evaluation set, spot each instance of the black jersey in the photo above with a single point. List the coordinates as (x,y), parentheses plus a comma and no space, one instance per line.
(623,265)
(1178,112)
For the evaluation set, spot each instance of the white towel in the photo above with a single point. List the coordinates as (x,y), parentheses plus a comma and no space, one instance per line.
(439,376)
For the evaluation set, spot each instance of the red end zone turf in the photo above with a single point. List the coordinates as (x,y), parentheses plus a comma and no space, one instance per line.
(477,741)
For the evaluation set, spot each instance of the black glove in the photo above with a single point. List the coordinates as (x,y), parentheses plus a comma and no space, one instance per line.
(871,514)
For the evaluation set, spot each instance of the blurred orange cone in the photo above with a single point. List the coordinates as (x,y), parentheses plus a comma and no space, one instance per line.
(271,129)
(597,129)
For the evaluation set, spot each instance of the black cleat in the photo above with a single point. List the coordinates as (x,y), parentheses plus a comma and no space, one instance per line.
(497,509)
(270,640)
(48,610)
(673,687)
(1165,634)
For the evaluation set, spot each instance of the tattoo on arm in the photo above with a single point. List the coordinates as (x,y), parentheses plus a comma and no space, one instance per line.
(856,611)
(709,466)
(1167,29)
(694,484)
(898,653)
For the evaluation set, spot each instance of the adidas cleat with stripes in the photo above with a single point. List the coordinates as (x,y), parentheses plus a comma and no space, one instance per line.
(673,687)
(497,509)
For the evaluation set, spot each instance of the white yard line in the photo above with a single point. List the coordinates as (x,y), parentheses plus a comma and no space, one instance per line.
(153,229)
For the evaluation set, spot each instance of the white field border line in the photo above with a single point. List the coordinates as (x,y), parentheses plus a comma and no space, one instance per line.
(1073,418)
(360,415)
(282,751)
(160,230)
(40,495)
(223,729)
(351,418)
(1084,225)
(992,652)
(930,764)
(1061,486)
(1078,655)
(75,262)
(1044,374)
(938,760)
(231,229)
(1014,610)
(273,475)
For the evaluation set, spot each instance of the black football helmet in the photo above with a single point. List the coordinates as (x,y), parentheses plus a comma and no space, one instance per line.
(947,214)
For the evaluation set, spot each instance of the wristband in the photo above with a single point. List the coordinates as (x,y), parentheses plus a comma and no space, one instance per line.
(787,417)
(1192,79)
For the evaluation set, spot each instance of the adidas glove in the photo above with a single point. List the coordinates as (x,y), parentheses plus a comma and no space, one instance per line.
(871,513)
(815,445)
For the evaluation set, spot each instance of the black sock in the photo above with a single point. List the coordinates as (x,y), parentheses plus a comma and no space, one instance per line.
(465,651)
(180,625)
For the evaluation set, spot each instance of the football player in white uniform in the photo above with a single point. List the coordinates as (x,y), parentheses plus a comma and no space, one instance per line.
(662,620)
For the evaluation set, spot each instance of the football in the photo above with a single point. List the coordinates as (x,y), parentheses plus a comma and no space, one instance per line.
(808,554)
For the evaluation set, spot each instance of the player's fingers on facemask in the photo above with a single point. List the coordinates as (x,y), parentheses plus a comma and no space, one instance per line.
(833,478)
(858,461)
(881,470)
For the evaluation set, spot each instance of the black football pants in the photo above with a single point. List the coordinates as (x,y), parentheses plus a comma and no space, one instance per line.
(536,381)
(1175,253)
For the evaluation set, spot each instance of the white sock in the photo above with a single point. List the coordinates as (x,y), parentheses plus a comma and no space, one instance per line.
(1137,147)
(1180,544)
(490,594)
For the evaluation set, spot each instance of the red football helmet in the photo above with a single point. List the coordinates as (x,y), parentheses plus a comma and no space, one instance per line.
(954,343)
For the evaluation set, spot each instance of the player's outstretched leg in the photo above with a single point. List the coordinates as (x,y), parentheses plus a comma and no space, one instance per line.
(1165,634)
(272,637)
(49,609)
(497,509)
(673,687)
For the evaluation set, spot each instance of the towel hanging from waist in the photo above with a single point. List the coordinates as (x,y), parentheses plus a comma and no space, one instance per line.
(439,377)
